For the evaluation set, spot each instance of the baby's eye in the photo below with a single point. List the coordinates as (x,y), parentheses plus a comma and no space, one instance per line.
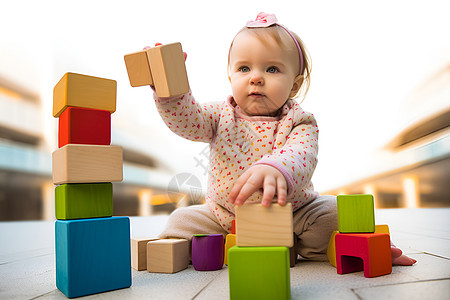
(272,70)
(244,69)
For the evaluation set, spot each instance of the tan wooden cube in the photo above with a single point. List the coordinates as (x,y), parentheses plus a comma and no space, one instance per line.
(84,91)
(257,225)
(139,252)
(79,163)
(138,68)
(167,255)
(168,70)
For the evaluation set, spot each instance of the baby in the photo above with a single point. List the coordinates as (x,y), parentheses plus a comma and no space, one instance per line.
(263,145)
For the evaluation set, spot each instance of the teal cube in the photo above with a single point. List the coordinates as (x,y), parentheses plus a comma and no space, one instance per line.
(356,213)
(92,255)
(259,273)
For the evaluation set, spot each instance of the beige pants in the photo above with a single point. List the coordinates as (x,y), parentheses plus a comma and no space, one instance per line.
(313,225)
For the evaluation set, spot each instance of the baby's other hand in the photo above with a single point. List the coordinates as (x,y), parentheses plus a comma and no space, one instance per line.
(258,177)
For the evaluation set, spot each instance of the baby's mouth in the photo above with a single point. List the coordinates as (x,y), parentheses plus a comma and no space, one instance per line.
(256,94)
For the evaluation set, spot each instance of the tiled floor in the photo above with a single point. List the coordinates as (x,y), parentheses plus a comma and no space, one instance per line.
(27,268)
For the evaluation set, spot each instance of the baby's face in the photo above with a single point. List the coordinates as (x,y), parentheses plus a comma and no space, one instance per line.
(261,75)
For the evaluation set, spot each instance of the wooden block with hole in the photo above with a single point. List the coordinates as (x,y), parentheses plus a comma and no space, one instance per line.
(87,164)
(138,68)
(331,251)
(370,252)
(167,255)
(79,125)
(139,252)
(257,225)
(84,91)
(168,70)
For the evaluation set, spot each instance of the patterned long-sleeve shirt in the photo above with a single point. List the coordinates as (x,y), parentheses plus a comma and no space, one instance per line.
(288,143)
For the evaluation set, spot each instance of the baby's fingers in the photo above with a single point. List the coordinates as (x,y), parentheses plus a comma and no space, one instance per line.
(281,191)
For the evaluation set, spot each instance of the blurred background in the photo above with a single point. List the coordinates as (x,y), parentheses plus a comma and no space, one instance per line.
(380,92)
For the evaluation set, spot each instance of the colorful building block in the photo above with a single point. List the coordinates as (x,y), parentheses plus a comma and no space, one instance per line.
(356,213)
(84,91)
(257,225)
(230,241)
(92,255)
(83,200)
(87,164)
(167,255)
(370,252)
(233,226)
(139,252)
(259,272)
(138,68)
(79,125)
(331,251)
(168,70)
(207,252)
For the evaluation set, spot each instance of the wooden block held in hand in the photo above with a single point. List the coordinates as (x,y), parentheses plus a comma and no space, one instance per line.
(168,70)
(257,225)
(84,91)
(79,125)
(87,164)
(138,68)
(139,253)
(167,255)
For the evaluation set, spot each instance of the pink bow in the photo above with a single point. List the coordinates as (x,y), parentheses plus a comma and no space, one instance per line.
(263,20)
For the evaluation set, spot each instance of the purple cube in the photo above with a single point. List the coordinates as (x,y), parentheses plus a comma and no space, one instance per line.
(207,252)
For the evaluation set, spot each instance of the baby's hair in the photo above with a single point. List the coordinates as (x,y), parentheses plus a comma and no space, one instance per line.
(282,38)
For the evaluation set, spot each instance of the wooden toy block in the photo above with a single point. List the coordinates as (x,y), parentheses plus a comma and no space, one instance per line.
(84,91)
(230,241)
(257,225)
(356,213)
(233,226)
(83,200)
(138,68)
(87,164)
(139,252)
(78,125)
(168,70)
(331,251)
(92,255)
(207,252)
(167,255)
(259,272)
(370,252)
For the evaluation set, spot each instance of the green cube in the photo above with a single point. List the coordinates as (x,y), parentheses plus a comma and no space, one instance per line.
(356,213)
(83,200)
(259,273)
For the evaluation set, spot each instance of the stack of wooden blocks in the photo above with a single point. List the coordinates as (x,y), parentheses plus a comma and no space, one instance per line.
(359,244)
(259,263)
(92,247)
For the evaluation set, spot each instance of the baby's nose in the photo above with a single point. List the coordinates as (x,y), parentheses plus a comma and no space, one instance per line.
(256,79)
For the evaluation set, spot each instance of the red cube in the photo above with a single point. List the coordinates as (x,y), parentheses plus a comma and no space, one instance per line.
(78,125)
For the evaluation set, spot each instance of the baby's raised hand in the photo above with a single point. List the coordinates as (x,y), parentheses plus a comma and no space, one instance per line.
(260,177)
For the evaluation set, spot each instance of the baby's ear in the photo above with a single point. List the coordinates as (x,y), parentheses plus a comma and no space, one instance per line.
(296,85)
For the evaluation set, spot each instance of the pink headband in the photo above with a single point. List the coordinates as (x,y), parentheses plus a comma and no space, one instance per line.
(266,20)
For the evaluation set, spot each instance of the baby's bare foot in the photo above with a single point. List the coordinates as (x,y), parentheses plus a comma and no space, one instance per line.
(399,259)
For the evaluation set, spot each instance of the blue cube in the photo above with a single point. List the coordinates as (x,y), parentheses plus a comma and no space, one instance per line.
(92,255)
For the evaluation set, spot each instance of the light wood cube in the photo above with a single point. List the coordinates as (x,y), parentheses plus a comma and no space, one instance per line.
(167,255)
(257,225)
(78,163)
(138,69)
(139,252)
(84,91)
(168,70)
